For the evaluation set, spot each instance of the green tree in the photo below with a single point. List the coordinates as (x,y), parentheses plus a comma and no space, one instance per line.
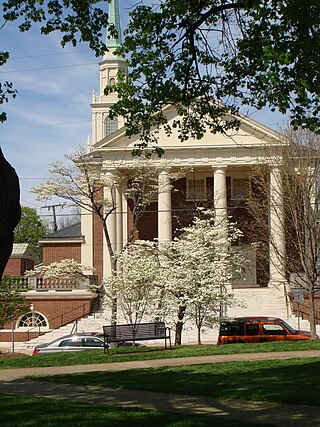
(29,230)
(207,58)
(12,301)
(227,53)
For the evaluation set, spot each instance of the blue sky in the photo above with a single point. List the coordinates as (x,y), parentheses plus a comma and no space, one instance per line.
(51,114)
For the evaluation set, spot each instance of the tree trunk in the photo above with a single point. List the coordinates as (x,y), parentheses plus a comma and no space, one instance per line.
(10,210)
(199,336)
(312,314)
(179,325)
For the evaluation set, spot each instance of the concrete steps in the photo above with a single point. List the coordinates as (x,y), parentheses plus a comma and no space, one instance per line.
(91,324)
(252,302)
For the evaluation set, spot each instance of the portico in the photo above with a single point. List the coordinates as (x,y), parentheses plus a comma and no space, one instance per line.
(214,172)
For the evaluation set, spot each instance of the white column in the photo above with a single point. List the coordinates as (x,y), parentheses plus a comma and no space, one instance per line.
(124,216)
(109,194)
(220,193)
(164,208)
(119,213)
(277,244)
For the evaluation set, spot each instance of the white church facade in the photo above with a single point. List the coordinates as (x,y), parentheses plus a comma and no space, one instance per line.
(217,176)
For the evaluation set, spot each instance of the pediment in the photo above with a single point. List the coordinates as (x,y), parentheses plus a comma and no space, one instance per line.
(250,134)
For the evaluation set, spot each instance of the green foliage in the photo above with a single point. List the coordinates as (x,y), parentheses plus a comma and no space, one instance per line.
(76,20)
(12,301)
(6,88)
(209,58)
(204,58)
(29,230)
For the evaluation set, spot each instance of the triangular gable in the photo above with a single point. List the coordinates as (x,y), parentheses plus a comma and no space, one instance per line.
(22,250)
(250,134)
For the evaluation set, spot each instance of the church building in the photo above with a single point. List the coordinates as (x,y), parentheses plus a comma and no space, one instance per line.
(214,172)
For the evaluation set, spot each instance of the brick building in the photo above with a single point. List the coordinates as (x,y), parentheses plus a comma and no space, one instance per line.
(21,259)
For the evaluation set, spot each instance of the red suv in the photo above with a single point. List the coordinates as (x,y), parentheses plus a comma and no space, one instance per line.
(258,329)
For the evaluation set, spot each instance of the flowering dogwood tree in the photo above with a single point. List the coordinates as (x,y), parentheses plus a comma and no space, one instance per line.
(67,269)
(137,284)
(198,267)
(183,281)
(83,183)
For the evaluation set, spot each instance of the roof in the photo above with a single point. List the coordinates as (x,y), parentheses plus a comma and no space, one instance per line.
(114,19)
(20,250)
(71,232)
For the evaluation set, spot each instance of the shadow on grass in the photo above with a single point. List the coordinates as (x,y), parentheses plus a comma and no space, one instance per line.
(29,412)
(148,353)
(287,381)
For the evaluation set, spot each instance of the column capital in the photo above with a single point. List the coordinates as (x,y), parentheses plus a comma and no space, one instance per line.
(165,170)
(219,169)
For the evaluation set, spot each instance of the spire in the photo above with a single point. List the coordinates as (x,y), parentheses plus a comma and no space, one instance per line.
(114,19)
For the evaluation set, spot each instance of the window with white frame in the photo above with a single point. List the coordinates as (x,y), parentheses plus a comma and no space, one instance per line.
(240,188)
(196,189)
(32,319)
(111,125)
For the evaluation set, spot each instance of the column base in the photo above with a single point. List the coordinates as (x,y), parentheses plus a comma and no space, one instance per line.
(279,284)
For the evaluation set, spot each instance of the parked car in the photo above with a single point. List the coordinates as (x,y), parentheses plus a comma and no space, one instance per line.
(76,342)
(258,329)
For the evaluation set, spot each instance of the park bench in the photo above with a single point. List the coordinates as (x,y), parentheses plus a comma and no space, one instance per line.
(132,333)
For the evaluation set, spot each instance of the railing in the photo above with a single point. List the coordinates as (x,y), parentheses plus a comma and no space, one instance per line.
(39,283)
(96,99)
(302,310)
(62,319)
(74,329)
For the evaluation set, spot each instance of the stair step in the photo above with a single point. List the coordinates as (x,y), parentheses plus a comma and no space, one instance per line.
(258,302)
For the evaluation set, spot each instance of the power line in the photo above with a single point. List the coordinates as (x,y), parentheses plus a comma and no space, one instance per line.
(50,125)
(15,58)
(53,208)
(47,68)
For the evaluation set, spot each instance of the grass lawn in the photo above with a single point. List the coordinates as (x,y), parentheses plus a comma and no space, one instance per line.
(147,353)
(283,381)
(35,412)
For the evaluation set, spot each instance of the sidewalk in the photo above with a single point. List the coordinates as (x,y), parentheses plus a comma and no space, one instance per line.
(13,382)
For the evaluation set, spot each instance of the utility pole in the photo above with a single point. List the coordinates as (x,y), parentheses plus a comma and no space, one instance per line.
(53,207)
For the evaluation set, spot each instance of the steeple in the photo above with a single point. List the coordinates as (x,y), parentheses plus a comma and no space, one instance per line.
(114,19)
(109,67)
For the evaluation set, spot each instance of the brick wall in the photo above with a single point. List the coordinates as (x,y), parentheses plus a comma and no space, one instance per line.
(98,247)
(58,312)
(54,252)
(17,266)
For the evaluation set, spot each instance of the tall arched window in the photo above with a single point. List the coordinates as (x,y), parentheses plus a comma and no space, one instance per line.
(111,125)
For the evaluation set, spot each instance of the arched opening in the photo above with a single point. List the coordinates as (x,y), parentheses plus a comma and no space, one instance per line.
(32,319)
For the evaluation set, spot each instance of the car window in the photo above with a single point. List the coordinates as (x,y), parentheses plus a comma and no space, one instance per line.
(273,329)
(71,342)
(252,329)
(93,342)
(231,328)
